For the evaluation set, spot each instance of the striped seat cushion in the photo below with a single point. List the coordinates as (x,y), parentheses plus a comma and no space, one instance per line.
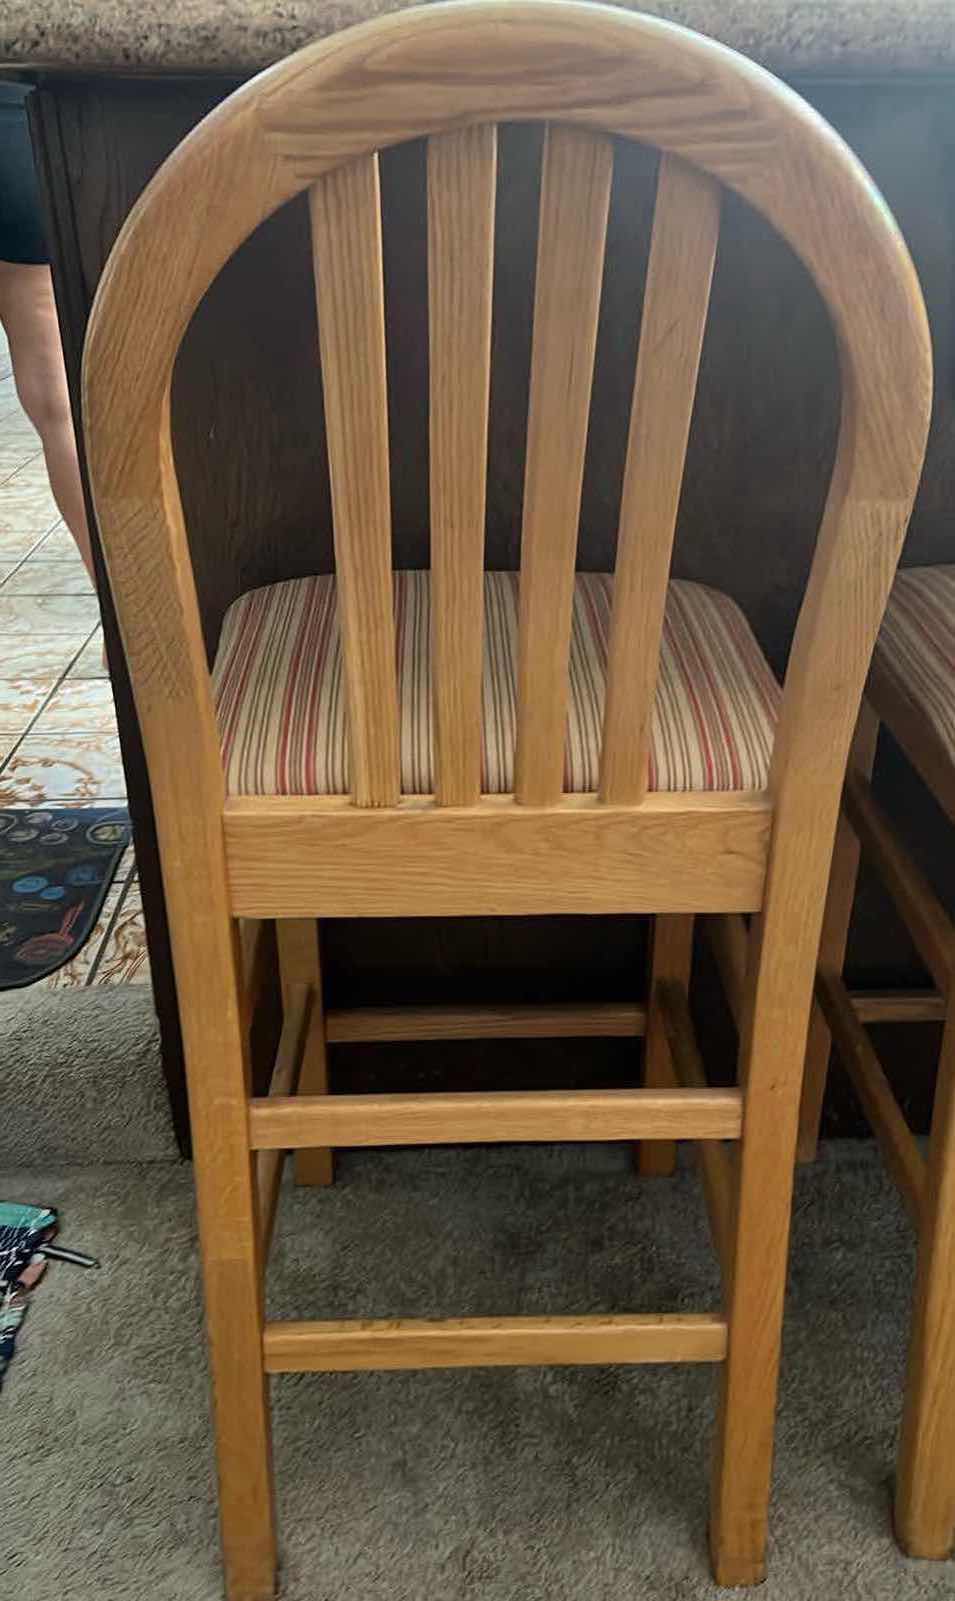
(279,686)
(916,648)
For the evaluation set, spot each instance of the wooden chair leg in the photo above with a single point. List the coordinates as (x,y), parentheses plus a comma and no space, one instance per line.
(671,951)
(300,963)
(832,943)
(209,982)
(925,1487)
(772,1049)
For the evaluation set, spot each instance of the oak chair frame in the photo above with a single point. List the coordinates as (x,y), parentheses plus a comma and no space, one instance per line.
(925,1476)
(316,121)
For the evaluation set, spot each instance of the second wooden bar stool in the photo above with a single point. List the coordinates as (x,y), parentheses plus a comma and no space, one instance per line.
(911,690)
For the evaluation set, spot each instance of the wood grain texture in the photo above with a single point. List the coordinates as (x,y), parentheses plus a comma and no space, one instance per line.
(898,1006)
(494,1117)
(916,902)
(285,1082)
(300,965)
(832,944)
(462,169)
(295,857)
(925,1479)
(492,1342)
(575,195)
(331,107)
(682,253)
(671,956)
(563,1020)
(715,1161)
(346,234)
(855,1051)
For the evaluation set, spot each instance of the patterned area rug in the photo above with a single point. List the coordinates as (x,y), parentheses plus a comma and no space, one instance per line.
(55,868)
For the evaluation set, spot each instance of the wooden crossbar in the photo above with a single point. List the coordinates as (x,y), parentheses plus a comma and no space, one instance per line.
(898,1006)
(288,1065)
(857,1054)
(492,1117)
(728,936)
(919,908)
(553,1021)
(311,1347)
(715,1161)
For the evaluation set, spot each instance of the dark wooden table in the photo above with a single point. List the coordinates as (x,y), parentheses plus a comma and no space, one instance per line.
(250,451)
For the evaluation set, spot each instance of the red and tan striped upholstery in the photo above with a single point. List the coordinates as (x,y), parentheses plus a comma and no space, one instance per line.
(280,691)
(915,651)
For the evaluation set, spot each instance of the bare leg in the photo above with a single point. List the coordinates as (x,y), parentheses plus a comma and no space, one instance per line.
(28,314)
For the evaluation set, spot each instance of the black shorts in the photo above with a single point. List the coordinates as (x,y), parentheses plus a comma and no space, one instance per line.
(21,219)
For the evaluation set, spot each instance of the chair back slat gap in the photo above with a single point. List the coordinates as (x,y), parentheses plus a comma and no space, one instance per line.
(679,274)
(575,195)
(462,168)
(346,239)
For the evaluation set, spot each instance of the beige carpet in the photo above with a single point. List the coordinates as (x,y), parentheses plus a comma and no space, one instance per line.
(494,1485)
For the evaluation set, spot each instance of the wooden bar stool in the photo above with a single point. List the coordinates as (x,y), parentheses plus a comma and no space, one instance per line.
(456,743)
(911,690)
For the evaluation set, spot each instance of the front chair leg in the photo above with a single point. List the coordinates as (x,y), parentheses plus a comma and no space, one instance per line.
(300,963)
(925,1489)
(208,978)
(671,952)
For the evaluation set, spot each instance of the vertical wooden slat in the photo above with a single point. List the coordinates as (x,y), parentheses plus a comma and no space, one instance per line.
(461,180)
(682,252)
(575,194)
(346,241)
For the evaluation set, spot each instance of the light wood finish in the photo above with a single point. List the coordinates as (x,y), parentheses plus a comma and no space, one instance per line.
(346,236)
(492,1342)
(563,1020)
(495,1116)
(925,1478)
(575,197)
(835,932)
(914,731)
(918,906)
(682,253)
(677,853)
(902,1156)
(254,951)
(300,964)
(715,1162)
(461,183)
(317,122)
(925,1481)
(898,1006)
(729,942)
(671,956)
(285,1081)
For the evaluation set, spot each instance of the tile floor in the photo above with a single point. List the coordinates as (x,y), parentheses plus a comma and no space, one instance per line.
(58,740)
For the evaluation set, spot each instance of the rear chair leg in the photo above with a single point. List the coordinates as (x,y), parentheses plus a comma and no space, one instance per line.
(832,943)
(772,1052)
(925,1488)
(671,951)
(299,963)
